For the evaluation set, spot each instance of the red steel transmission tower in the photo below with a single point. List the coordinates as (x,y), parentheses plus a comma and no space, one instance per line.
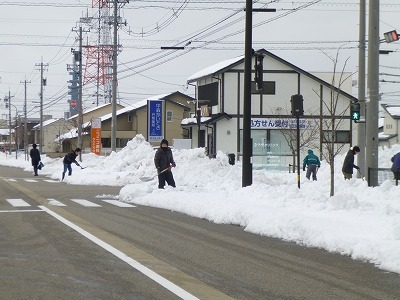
(98,53)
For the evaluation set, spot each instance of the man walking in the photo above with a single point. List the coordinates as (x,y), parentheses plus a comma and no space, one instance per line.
(35,158)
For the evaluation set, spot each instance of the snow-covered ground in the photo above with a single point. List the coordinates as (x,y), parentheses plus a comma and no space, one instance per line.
(359,221)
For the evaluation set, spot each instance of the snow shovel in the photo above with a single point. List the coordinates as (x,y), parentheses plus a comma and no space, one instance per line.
(362,177)
(152,177)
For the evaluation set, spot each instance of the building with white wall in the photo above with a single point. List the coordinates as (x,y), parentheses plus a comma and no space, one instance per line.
(219,91)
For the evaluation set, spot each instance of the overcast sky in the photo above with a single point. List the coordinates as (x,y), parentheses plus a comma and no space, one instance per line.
(305,33)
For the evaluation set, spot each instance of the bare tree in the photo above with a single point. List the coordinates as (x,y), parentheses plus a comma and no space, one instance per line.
(309,135)
(333,118)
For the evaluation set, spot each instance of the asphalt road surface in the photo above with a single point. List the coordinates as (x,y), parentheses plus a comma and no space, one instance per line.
(62,241)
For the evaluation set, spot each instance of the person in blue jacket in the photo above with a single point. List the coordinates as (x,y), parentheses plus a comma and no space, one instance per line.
(312,162)
(396,166)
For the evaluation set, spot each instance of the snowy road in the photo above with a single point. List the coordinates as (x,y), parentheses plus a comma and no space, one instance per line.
(185,257)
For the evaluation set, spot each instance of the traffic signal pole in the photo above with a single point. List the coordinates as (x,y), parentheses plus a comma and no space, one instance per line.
(373,91)
(361,90)
(247,145)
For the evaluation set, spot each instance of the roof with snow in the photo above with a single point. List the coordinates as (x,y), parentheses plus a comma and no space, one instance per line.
(47,122)
(392,110)
(230,63)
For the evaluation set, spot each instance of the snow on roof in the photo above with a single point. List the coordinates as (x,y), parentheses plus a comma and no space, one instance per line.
(393,110)
(4,131)
(90,110)
(47,122)
(214,68)
(72,133)
(187,121)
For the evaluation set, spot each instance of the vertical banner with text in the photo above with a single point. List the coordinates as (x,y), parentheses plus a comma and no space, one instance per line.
(96,135)
(155,119)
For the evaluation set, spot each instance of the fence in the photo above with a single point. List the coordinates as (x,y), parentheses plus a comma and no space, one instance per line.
(381,174)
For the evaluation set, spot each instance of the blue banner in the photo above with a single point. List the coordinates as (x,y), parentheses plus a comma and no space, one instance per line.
(155,109)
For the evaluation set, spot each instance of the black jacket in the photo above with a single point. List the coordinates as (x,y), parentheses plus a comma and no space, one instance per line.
(163,159)
(70,158)
(35,156)
(348,163)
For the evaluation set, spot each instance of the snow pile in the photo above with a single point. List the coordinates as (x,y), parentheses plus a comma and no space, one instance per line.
(359,221)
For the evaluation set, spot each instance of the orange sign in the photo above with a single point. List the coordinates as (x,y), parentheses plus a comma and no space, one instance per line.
(96,135)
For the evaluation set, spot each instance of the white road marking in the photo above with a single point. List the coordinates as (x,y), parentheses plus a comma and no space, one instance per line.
(119,203)
(9,179)
(30,180)
(17,202)
(86,203)
(55,202)
(21,210)
(51,181)
(138,266)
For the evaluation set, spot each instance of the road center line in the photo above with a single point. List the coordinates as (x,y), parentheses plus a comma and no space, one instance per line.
(138,266)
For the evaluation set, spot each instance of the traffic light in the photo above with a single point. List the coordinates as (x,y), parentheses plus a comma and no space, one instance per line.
(391,36)
(355,111)
(297,105)
(259,70)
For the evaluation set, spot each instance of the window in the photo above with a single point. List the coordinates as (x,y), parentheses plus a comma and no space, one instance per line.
(209,92)
(169,115)
(268,88)
(341,136)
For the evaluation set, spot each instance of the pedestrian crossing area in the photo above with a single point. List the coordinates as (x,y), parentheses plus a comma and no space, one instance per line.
(19,203)
(30,180)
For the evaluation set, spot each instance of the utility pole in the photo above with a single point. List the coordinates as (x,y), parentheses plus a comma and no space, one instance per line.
(361,90)
(25,82)
(114,81)
(247,143)
(373,91)
(115,76)
(9,117)
(80,83)
(42,66)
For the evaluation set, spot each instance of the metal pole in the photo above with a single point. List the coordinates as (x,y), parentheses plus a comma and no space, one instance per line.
(80,100)
(41,107)
(361,89)
(25,125)
(114,81)
(9,116)
(247,167)
(373,90)
(298,150)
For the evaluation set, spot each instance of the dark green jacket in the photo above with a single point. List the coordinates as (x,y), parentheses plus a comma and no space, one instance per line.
(311,159)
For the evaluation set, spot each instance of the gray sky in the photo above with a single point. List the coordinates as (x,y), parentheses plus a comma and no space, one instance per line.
(305,35)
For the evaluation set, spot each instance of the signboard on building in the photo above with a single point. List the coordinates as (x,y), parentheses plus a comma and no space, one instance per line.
(281,123)
(96,135)
(155,120)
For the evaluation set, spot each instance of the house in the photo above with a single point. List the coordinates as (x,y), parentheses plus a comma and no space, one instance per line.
(52,129)
(391,125)
(220,98)
(133,120)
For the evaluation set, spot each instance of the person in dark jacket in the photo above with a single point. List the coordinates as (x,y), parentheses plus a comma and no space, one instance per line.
(396,166)
(312,162)
(68,160)
(35,158)
(164,161)
(348,163)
